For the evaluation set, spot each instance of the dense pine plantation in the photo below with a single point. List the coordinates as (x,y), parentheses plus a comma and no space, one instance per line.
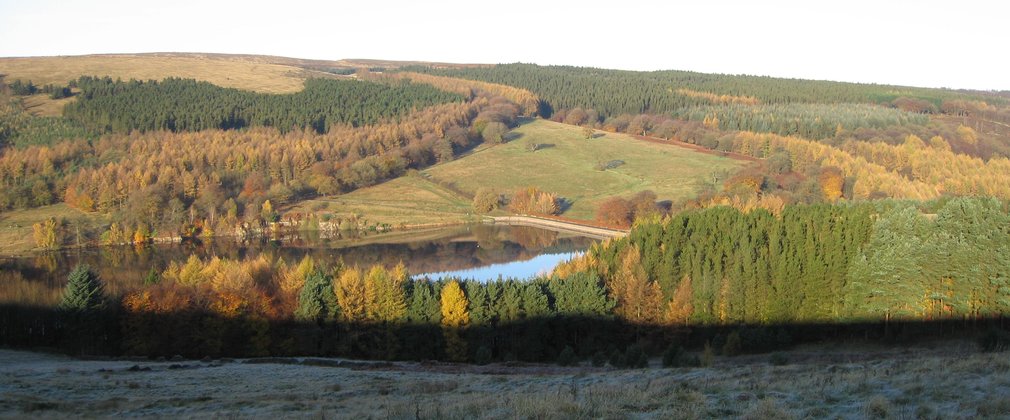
(812,121)
(818,110)
(108,106)
(614,92)
(822,263)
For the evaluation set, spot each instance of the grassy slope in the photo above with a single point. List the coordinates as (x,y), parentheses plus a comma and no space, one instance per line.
(407,200)
(234,72)
(16,226)
(568,167)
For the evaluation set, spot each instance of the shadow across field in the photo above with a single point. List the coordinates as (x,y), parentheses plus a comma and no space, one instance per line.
(117,332)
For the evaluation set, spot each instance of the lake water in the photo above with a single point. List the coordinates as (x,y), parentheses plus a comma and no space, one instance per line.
(482,252)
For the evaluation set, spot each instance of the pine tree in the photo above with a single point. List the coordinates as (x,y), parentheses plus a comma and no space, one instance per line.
(580,295)
(316,301)
(84,292)
(424,305)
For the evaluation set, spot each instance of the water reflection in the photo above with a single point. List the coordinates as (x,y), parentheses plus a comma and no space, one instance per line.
(533,267)
(38,279)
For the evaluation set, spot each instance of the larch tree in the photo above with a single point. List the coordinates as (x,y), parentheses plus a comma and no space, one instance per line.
(350,292)
(455,317)
(679,309)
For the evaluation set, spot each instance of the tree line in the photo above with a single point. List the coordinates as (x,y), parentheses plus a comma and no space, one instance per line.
(614,92)
(115,106)
(764,276)
(875,261)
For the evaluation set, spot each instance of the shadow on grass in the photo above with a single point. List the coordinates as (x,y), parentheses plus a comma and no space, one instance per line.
(116,332)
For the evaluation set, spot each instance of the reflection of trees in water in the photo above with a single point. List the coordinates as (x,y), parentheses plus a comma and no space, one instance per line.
(18,290)
(533,238)
(487,237)
(46,261)
(124,268)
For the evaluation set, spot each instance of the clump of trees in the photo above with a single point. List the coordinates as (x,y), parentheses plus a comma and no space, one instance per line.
(47,233)
(621,212)
(20,88)
(532,200)
(486,200)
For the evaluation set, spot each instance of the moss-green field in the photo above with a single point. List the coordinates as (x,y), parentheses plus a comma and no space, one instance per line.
(408,200)
(567,166)
(16,226)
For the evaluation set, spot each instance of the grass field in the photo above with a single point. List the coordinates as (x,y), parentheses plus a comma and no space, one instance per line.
(408,200)
(818,382)
(16,226)
(568,164)
(236,72)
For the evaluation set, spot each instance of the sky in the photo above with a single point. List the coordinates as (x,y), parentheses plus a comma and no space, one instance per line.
(954,44)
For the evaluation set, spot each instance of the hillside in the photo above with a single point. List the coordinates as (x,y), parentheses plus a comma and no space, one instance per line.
(240,72)
(567,164)
(258,73)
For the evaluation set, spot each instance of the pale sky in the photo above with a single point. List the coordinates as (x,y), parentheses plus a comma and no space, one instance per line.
(956,44)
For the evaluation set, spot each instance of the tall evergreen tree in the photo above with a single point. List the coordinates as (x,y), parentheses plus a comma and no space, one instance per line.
(84,292)
(316,301)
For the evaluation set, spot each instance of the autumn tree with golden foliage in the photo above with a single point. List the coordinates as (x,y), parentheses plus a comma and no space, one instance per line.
(350,291)
(531,200)
(638,298)
(831,181)
(455,317)
(46,233)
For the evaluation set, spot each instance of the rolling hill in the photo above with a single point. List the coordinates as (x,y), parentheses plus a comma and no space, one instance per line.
(566,164)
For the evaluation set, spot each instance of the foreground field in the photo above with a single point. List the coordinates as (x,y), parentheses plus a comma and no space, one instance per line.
(567,164)
(945,382)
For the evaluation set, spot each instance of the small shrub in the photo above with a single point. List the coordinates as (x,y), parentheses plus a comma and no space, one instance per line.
(778,359)
(635,357)
(617,359)
(766,409)
(878,408)
(568,357)
(673,356)
(690,361)
(733,344)
(153,277)
(926,412)
(994,408)
(707,356)
(599,359)
(486,200)
(994,340)
(483,356)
